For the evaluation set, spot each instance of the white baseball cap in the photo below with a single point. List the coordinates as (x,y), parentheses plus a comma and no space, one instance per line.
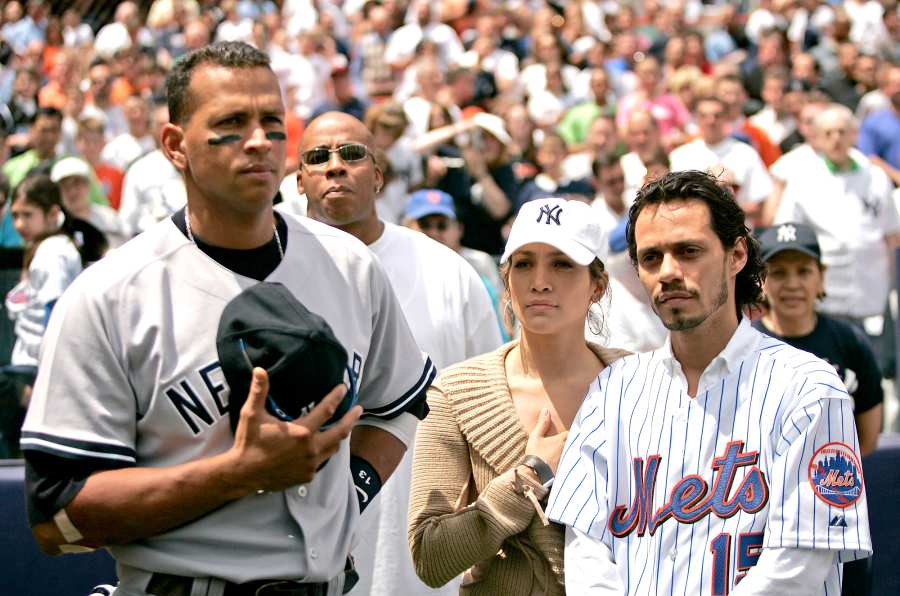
(571,226)
(70,166)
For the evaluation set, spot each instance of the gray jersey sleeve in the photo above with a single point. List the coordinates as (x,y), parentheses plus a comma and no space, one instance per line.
(397,373)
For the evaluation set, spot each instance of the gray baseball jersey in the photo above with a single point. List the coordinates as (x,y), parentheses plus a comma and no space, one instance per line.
(686,492)
(129,377)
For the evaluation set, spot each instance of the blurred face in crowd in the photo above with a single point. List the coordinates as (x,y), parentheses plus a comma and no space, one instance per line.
(793,103)
(551,154)
(491,149)
(74,191)
(137,116)
(12,12)
(519,125)
(549,292)
(834,137)
(45,134)
(30,221)
(101,78)
(847,54)
(26,84)
(599,85)
(892,87)
(732,95)
(341,193)
(647,71)
(244,105)
(90,145)
(440,228)
(602,135)
(770,52)
(806,124)
(773,92)
(792,284)
(611,182)
(864,71)
(711,120)
(803,67)
(642,133)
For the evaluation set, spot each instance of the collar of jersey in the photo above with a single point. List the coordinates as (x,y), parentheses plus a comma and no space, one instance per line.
(834,169)
(741,344)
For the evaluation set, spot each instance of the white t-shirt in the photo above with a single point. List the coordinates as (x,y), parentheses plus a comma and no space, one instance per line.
(55,265)
(740,158)
(126,148)
(851,212)
(152,190)
(450,314)
(635,171)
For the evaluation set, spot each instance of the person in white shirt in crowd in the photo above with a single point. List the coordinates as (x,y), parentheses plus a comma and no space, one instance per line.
(443,299)
(74,175)
(139,140)
(602,138)
(126,31)
(52,262)
(629,319)
(433,213)
(643,141)
(714,150)
(487,55)
(234,27)
(422,23)
(98,98)
(76,34)
(429,79)
(152,188)
(847,201)
(774,119)
(388,123)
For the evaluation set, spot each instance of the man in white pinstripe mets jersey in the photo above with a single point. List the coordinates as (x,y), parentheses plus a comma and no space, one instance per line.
(725,462)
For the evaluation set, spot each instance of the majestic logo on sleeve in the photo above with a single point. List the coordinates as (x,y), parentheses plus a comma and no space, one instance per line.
(836,475)
(552,212)
(691,498)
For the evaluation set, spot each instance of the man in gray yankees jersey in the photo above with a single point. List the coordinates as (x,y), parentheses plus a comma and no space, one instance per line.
(725,462)
(128,441)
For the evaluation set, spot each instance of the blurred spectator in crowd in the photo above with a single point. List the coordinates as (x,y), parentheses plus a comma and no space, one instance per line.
(840,85)
(45,135)
(879,136)
(731,91)
(372,65)
(771,52)
(610,198)
(152,188)
(718,152)
(19,29)
(551,180)
(234,27)
(422,23)
(129,146)
(805,68)
(774,119)
(878,98)
(125,32)
(601,138)
(576,122)
(19,113)
(847,201)
(387,121)
(651,96)
(643,142)
(793,285)
(523,148)
(433,213)
(76,34)
(99,98)
(89,142)
(74,177)
(343,98)
(487,56)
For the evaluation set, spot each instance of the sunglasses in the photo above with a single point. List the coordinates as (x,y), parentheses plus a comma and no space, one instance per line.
(349,153)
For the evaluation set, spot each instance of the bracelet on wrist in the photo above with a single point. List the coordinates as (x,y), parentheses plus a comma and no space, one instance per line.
(540,467)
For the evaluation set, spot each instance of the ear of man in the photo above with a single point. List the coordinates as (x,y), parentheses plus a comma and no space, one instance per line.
(172,145)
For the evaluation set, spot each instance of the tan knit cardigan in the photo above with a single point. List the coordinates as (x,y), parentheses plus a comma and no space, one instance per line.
(490,529)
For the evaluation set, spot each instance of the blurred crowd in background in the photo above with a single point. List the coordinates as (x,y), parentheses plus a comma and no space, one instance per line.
(794,104)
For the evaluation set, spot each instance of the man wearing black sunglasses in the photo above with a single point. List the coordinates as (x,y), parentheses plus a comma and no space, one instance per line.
(131,445)
(447,306)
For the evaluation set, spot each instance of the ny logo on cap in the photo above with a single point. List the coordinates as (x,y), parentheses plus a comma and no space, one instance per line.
(552,212)
(787,233)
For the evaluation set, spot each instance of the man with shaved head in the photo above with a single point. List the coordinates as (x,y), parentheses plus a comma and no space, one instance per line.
(443,298)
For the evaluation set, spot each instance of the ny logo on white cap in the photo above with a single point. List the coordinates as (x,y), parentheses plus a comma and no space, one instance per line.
(552,212)
(787,233)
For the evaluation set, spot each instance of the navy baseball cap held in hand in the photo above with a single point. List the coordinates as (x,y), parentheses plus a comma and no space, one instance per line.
(788,236)
(266,326)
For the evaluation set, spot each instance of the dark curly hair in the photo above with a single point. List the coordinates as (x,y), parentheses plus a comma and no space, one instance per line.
(728,222)
(230,54)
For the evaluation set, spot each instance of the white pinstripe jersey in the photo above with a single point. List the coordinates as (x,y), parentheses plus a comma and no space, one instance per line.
(687,491)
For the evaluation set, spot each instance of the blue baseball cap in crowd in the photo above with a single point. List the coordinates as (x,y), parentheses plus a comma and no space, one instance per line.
(430,201)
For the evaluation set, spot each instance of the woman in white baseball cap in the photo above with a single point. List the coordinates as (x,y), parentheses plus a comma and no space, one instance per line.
(487,453)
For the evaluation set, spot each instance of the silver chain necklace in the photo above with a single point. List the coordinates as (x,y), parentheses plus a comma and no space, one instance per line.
(190,234)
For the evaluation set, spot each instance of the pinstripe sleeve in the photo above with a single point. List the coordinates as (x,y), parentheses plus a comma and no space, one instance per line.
(579,495)
(816,481)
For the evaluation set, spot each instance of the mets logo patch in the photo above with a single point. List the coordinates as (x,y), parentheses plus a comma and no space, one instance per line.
(836,474)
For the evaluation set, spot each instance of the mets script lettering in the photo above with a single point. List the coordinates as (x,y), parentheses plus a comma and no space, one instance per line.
(691,498)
